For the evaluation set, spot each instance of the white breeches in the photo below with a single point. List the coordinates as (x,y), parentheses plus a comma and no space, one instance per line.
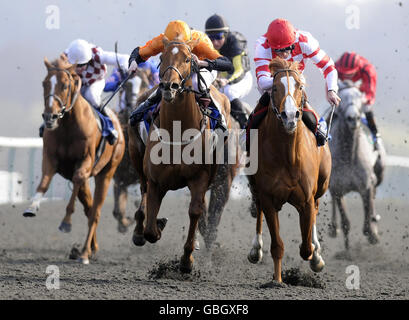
(240,89)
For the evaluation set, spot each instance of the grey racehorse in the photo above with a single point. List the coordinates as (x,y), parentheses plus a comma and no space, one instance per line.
(356,166)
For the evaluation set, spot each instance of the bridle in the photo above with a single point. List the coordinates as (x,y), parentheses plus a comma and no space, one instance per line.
(276,110)
(64,107)
(180,87)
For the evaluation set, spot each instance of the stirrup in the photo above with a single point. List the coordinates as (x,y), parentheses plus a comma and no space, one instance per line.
(113,137)
(321,137)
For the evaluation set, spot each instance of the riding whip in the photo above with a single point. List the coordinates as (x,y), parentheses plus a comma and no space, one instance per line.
(330,120)
(117,89)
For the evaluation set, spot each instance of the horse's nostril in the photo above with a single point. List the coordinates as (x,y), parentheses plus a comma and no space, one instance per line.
(174,86)
(297,114)
(283,115)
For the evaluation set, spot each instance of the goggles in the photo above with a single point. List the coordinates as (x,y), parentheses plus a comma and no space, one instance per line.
(290,48)
(216,36)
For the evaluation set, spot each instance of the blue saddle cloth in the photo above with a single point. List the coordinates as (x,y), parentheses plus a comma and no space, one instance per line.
(106,123)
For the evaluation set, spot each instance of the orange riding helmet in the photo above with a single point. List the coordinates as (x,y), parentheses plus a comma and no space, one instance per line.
(280,34)
(178,27)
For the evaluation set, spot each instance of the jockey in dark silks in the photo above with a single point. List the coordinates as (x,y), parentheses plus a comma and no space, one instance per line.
(207,58)
(351,66)
(238,83)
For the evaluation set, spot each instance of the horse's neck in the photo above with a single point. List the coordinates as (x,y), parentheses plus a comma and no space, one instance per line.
(183,109)
(77,114)
(282,142)
(349,141)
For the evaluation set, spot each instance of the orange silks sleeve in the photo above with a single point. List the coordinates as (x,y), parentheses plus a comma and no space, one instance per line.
(152,47)
(204,49)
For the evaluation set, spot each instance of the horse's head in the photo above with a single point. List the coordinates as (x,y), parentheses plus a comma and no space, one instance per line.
(61,87)
(350,108)
(287,93)
(176,66)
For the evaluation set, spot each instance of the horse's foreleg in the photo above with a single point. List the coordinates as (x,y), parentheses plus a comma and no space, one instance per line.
(66,224)
(307,218)
(102,182)
(218,198)
(333,227)
(138,237)
(277,246)
(196,209)
(48,171)
(256,252)
(316,263)
(371,219)
(346,225)
(120,201)
(153,227)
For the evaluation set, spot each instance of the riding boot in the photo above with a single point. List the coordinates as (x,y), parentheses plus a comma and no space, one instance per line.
(238,112)
(311,122)
(372,127)
(113,134)
(137,114)
(41,130)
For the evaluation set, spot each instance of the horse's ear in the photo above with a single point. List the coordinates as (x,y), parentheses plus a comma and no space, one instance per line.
(47,63)
(165,41)
(193,43)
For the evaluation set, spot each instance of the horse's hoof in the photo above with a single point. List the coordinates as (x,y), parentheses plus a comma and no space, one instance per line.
(255,256)
(138,240)
(273,284)
(83,260)
(122,228)
(65,227)
(317,263)
(333,232)
(29,214)
(186,268)
(161,223)
(373,239)
(196,244)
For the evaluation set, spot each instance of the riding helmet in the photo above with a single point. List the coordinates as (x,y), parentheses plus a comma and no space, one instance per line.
(216,24)
(280,34)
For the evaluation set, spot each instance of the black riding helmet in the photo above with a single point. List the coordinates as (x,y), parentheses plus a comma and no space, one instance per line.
(216,24)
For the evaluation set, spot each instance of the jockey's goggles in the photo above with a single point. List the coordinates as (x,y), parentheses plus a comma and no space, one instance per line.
(216,36)
(290,48)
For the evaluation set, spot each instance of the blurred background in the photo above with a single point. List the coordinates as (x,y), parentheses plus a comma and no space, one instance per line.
(375,29)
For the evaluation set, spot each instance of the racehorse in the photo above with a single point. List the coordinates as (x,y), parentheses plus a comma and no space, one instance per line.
(356,166)
(178,105)
(291,168)
(125,175)
(70,145)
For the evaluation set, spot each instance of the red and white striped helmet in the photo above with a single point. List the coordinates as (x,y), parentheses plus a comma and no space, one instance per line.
(280,34)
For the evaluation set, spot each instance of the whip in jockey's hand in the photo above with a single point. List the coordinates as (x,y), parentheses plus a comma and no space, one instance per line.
(133,66)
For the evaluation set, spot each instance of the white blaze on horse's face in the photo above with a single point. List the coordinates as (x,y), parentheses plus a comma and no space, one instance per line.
(290,105)
(53,81)
(175,50)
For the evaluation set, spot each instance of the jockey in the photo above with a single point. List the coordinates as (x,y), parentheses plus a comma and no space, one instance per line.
(152,66)
(284,41)
(237,84)
(91,64)
(351,66)
(205,55)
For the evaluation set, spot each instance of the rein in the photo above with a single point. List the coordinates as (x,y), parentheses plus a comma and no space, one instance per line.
(275,109)
(180,88)
(64,108)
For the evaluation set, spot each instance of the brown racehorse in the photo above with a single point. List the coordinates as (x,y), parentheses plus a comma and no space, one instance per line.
(70,142)
(156,179)
(291,168)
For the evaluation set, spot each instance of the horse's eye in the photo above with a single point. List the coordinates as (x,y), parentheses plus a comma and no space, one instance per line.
(187,60)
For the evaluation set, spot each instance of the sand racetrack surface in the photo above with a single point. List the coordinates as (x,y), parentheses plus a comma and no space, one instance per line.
(123,271)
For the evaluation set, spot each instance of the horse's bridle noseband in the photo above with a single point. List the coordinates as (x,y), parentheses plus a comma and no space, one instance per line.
(274,88)
(64,107)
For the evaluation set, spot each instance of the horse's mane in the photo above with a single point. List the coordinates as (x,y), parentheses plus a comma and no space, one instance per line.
(279,64)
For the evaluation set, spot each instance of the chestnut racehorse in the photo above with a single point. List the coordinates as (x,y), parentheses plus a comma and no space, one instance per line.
(291,168)
(70,140)
(178,104)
